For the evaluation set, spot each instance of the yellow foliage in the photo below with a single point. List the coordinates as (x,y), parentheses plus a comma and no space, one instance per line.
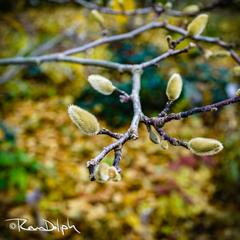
(127,4)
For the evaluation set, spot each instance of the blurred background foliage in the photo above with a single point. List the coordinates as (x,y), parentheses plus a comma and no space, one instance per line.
(163,194)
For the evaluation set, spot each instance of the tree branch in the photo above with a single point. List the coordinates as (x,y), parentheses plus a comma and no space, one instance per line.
(207,108)
(69,33)
(173,141)
(162,118)
(132,132)
(104,131)
(114,38)
(90,62)
(106,10)
(155,8)
(63,56)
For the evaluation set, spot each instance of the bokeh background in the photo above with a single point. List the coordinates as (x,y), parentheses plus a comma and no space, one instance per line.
(163,194)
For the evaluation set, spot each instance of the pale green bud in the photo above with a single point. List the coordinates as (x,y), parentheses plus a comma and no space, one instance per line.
(164,144)
(101,172)
(101,84)
(153,135)
(204,146)
(85,121)
(191,9)
(97,16)
(174,87)
(197,26)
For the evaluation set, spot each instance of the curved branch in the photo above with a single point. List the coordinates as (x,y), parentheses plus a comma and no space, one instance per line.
(90,62)
(173,141)
(165,55)
(62,58)
(115,38)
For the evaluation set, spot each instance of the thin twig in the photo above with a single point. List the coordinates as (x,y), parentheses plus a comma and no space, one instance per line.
(105,131)
(166,109)
(173,141)
(117,158)
(207,108)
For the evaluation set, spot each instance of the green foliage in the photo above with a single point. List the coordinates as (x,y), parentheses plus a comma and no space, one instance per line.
(228,175)
(17,167)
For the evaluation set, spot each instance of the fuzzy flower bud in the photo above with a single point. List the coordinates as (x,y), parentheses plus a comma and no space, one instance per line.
(191,9)
(85,121)
(97,16)
(197,26)
(101,172)
(174,87)
(101,84)
(153,136)
(204,146)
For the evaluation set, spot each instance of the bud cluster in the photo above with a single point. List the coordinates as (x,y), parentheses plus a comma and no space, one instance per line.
(104,173)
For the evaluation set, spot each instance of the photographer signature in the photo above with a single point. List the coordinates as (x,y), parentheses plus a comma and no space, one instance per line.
(20,224)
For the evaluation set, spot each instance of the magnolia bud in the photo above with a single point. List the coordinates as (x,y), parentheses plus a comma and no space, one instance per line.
(85,121)
(101,172)
(164,144)
(191,9)
(174,87)
(113,174)
(238,92)
(197,26)
(153,135)
(97,16)
(101,84)
(204,146)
